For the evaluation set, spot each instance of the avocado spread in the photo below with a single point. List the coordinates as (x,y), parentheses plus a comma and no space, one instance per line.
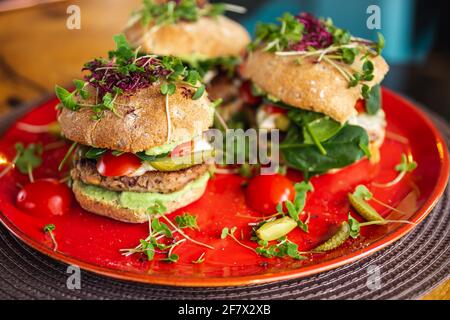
(139,200)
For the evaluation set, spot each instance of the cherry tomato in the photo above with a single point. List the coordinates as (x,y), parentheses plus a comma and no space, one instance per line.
(110,165)
(265,192)
(45,198)
(246,94)
(360,106)
(183,149)
(272,109)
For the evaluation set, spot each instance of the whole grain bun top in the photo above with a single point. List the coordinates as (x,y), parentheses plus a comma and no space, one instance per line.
(318,87)
(140,122)
(206,38)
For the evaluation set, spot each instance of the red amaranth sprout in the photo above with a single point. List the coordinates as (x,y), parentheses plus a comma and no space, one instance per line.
(107,77)
(315,34)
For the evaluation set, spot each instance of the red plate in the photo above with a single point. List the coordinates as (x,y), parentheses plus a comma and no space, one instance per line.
(93,242)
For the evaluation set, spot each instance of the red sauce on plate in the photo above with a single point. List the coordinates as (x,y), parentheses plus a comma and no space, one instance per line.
(97,240)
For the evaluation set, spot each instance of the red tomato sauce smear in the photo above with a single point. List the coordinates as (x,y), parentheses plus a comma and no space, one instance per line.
(97,240)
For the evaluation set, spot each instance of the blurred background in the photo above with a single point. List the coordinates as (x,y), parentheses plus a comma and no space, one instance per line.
(37,50)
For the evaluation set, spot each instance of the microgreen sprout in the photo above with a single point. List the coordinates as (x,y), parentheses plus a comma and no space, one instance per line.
(48,229)
(296,207)
(200,259)
(124,72)
(406,165)
(306,36)
(159,231)
(169,12)
(284,247)
(229,232)
(26,159)
(187,221)
(67,155)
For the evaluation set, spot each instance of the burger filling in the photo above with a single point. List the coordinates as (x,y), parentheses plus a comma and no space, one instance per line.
(313,142)
(143,177)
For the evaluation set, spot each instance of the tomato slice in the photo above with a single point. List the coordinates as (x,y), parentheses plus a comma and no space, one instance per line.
(246,94)
(273,109)
(110,165)
(45,198)
(183,149)
(265,192)
(360,106)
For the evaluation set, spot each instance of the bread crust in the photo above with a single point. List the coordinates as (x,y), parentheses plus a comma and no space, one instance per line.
(309,85)
(207,38)
(141,120)
(116,212)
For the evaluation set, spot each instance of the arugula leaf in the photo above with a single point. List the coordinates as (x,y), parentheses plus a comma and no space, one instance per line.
(373,101)
(343,149)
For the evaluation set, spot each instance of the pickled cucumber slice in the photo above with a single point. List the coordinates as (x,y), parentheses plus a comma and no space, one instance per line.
(180,163)
(276,229)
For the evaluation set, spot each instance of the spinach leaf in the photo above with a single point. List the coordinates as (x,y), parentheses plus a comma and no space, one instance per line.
(373,101)
(322,127)
(346,147)
(316,127)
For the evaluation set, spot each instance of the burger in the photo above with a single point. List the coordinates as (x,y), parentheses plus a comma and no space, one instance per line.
(319,86)
(198,33)
(137,124)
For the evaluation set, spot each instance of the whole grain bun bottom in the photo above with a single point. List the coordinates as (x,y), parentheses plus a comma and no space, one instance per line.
(110,206)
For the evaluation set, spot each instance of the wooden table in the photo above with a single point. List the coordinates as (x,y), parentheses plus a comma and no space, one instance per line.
(38,51)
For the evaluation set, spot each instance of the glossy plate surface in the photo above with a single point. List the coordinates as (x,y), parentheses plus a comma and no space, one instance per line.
(93,242)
